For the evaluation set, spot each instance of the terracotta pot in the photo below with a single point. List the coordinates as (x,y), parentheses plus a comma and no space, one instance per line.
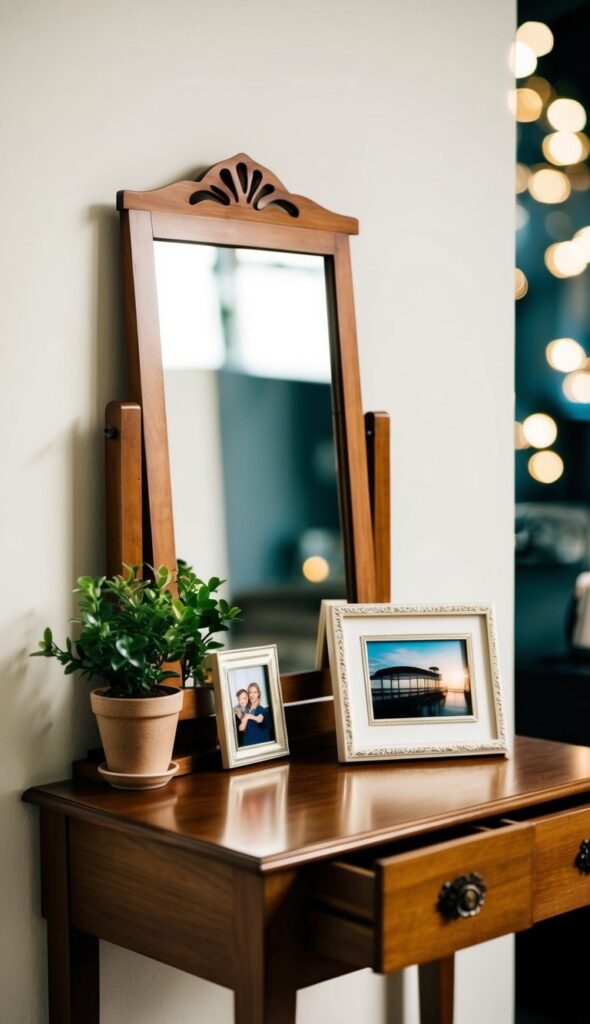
(137,733)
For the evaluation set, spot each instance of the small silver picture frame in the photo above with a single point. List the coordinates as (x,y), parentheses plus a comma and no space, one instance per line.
(249,732)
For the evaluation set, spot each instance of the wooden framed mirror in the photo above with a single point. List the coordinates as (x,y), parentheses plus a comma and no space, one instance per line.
(243,357)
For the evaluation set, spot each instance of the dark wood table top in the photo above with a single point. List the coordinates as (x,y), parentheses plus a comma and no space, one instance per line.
(311,807)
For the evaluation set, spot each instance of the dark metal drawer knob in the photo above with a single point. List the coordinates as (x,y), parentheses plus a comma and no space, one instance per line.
(583,857)
(464,897)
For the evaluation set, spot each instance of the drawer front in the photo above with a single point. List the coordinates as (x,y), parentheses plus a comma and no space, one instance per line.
(561,884)
(419,922)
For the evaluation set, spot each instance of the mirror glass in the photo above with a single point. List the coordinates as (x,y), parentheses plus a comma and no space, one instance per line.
(246,358)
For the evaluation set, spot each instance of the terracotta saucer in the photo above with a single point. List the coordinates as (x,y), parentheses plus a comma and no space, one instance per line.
(120,780)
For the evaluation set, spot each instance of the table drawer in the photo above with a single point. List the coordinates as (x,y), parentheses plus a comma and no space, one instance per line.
(560,881)
(421,904)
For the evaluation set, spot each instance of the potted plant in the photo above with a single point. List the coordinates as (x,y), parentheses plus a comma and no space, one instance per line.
(133,634)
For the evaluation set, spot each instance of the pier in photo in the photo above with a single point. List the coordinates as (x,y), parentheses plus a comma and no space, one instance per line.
(404,691)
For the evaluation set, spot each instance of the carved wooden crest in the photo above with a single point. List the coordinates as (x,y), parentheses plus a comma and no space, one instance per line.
(238,188)
(241,181)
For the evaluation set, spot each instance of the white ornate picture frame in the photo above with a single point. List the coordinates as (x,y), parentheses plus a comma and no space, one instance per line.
(265,735)
(415,681)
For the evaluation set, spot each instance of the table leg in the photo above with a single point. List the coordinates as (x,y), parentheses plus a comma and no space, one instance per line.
(72,955)
(267,933)
(437,989)
(258,1006)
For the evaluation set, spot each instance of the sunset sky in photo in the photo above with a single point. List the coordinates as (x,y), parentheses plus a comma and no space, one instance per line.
(449,656)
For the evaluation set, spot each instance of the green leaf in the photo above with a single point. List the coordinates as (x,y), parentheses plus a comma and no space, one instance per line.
(127,627)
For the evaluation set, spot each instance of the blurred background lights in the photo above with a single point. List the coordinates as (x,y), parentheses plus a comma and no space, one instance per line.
(565,354)
(576,386)
(585,143)
(520,441)
(566,115)
(565,259)
(521,285)
(537,36)
(315,569)
(540,430)
(548,185)
(545,467)
(541,86)
(582,238)
(527,105)
(522,178)
(579,176)
(563,147)
(522,60)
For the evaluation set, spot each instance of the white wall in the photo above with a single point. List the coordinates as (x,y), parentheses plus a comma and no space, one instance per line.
(390,110)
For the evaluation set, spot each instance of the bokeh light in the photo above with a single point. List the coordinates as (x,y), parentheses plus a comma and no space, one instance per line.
(546,467)
(520,441)
(548,185)
(522,60)
(565,259)
(585,142)
(526,105)
(315,569)
(540,430)
(565,354)
(582,238)
(541,86)
(537,36)
(522,178)
(563,147)
(566,115)
(576,386)
(521,285)
(579,177)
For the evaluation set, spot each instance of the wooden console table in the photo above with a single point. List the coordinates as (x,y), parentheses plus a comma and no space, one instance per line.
(270,879)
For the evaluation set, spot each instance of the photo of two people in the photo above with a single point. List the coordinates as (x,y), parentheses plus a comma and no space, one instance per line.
(252,713)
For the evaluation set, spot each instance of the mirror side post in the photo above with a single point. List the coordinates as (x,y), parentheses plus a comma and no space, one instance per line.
(123,503)
(377,432)
(351,447)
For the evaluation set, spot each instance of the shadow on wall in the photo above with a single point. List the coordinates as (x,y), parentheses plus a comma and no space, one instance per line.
(46,717)
(35,712)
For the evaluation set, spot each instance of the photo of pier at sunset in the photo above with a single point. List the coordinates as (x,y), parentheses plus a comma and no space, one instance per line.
(427,678)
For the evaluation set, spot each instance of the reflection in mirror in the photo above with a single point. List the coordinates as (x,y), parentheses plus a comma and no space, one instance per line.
(246,358)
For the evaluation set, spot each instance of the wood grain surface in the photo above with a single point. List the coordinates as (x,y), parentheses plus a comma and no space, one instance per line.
(411,930)
(437,988)
(327,809)
(72,953)
(238,187)
(377,427)
(166,904)
(560,885)
(395,898)
(123,493)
